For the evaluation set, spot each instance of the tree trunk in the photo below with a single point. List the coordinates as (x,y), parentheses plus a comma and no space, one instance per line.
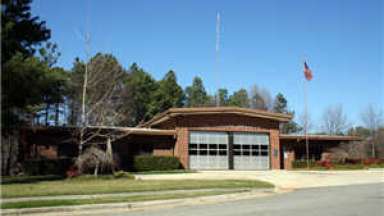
(9,153)
(47,114)
(96,169)
(57,114)
(109,154)
(373,144)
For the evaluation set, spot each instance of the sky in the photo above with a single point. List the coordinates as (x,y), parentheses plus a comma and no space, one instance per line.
(262,42)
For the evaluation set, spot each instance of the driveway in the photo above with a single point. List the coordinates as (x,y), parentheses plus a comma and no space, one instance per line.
(359,200)
(286,179)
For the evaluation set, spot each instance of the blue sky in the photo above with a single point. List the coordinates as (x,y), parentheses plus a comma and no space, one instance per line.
(262,42)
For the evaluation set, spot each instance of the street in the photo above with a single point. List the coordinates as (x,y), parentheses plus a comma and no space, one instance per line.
(340,200)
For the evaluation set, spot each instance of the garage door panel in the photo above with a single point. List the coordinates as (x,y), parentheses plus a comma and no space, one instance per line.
(208,150)
(251,151)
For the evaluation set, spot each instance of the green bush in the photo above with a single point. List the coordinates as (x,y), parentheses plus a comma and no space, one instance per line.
(347,166)
(91,177)
(155,163)
(122,174)
(303,164)
(47,166)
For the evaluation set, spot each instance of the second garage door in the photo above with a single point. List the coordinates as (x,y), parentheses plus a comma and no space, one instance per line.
(251,151)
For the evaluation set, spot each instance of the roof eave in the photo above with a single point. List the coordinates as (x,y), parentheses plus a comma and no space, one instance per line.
(173,112)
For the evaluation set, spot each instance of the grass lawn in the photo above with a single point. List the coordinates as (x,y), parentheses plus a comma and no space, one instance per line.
(135,198)
(178,171)
(102,186)
(344,167)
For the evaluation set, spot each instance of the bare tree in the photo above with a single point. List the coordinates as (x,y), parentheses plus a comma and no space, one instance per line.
(260,98)
(334,120)
(94,158)
(372,119)
(305,122)
(350,150)
(103,104)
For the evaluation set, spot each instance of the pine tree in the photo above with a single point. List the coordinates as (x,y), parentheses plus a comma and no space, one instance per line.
(239,99)
(169,94)
(280,105)
(196,94)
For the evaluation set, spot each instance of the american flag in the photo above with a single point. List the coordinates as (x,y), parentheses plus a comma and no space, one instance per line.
(307,72)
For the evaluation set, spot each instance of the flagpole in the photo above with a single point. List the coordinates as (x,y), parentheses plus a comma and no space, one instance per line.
(306,120)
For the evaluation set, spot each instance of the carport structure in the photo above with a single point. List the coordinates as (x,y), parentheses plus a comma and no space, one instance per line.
(293,146)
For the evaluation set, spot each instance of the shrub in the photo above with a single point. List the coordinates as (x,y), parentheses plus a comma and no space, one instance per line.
(338,155)
(371,161)
(155,163)
(348,166)
(72,172)
(353,161)
(325,163)
(122,174)
(47,166)
(94,159)
(302,163)
(87,177)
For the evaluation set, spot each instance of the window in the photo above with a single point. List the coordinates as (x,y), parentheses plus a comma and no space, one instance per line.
(250,144)
(208,143)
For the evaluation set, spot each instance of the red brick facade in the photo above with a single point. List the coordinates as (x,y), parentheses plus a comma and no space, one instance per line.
(225,122)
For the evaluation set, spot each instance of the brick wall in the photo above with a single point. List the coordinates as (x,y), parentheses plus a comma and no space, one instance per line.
(227,122)
(181,147)
(49,152)
(288,159)
(164,149)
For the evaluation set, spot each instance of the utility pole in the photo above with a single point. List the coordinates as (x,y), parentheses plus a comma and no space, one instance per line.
(217,56)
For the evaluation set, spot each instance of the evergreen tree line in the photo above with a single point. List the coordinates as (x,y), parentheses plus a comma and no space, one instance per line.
(37,92)
(141,96)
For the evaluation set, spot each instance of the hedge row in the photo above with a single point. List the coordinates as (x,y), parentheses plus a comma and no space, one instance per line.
(47,166)
(155,163)
(349,164)
(39,167)
(303,163)
(28,179)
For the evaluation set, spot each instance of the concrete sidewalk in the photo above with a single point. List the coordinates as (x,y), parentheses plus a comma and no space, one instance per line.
(285,179)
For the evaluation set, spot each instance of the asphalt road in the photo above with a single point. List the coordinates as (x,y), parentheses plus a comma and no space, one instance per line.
(343,200)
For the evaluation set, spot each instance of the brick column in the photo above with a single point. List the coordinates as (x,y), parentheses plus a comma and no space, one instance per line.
(290,156)
(181,147)
(275,149)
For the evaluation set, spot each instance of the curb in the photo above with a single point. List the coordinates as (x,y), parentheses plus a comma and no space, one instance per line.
(93,196)
(134,206)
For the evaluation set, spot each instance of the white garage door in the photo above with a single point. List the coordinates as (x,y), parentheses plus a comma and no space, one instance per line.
(251,151)
(208,150)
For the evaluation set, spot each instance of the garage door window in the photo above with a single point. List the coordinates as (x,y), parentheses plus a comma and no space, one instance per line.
(208,143)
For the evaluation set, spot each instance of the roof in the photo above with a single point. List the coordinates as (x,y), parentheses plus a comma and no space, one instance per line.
(130,130)
(138,131)
(173,112)
(313,137)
